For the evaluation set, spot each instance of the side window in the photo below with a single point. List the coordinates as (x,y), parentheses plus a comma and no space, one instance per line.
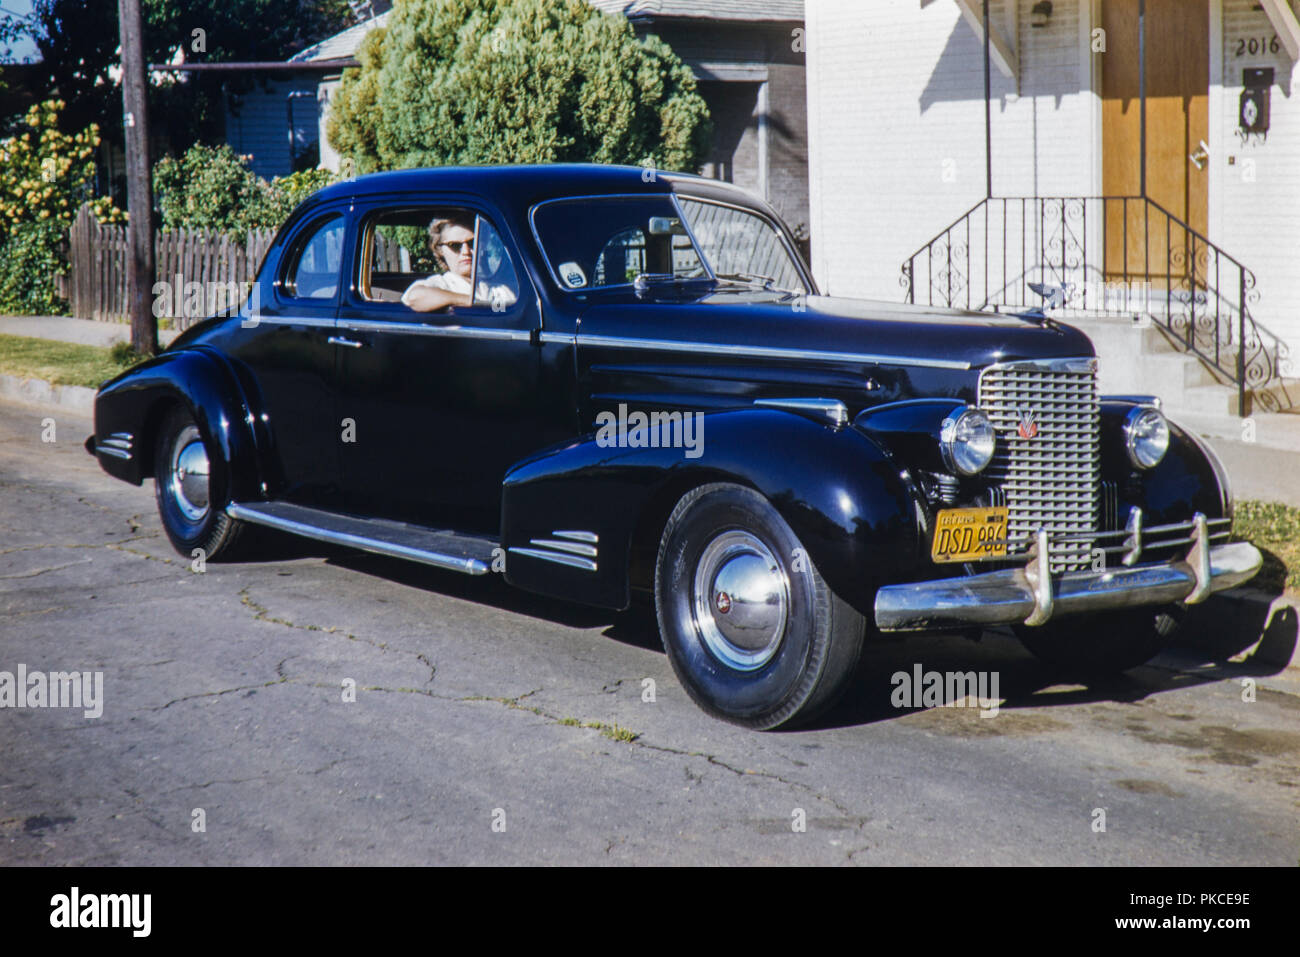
(313,270)
(429,258)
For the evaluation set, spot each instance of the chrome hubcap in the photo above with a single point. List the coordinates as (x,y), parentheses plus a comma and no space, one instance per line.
(741,600)
(189,474)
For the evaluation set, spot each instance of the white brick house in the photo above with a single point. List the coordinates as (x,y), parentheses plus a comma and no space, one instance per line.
(896,117)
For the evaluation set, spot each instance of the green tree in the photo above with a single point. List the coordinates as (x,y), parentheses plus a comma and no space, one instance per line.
(78,43)
(516,81)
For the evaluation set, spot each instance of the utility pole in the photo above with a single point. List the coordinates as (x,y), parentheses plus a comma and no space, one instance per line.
(139,182)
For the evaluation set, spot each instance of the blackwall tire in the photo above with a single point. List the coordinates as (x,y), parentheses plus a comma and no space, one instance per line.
(190,491)
(752,630)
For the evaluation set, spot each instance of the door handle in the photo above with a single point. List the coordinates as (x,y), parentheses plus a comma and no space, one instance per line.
(342,341)
(1200,156)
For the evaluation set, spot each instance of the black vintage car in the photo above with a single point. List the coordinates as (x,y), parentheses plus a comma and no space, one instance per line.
(607,383)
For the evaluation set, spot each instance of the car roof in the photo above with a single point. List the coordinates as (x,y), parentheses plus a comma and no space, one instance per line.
(530,184)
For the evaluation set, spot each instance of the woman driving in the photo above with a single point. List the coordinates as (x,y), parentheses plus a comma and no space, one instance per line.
(451,238)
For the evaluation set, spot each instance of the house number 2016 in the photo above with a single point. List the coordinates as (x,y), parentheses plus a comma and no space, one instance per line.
(1257,45)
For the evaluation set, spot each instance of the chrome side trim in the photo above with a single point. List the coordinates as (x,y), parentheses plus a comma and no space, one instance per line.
(314,321)
(558,558)
(833,411)
(115,453)
(563,338)
(572,547)
(578,536)
(767,352)
(468,566)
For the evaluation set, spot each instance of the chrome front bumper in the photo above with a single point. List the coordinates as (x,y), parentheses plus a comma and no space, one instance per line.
(1034,596)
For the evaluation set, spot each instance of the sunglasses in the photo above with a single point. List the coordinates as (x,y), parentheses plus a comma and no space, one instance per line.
(458,247)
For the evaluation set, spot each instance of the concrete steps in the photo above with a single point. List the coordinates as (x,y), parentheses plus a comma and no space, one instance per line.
(1137,356)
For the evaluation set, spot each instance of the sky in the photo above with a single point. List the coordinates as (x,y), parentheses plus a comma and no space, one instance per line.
(25,50)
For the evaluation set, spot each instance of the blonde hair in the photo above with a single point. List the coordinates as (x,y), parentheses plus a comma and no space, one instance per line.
(444,221)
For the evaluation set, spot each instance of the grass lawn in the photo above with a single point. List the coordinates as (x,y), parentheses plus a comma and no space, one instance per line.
(1275,530)
(63,363)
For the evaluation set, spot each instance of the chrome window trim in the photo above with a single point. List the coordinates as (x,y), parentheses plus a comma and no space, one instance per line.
(294,252)
(364,226)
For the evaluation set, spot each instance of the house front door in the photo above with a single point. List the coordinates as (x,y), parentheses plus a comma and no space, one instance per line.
(1139,241)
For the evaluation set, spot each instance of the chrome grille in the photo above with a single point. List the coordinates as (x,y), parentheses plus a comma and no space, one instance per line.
(1051,479)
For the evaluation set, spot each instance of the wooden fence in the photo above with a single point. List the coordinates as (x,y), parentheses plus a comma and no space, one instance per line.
(200,271)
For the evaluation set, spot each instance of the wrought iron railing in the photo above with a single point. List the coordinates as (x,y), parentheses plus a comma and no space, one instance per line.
(1109,255)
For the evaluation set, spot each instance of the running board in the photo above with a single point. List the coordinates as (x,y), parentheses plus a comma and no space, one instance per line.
(468,554)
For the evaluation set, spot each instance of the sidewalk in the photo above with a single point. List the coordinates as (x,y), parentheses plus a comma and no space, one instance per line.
(85,332)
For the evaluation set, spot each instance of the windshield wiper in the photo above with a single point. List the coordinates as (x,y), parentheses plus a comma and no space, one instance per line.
(766,283)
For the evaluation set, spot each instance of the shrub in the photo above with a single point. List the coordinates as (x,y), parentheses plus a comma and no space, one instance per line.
(45,176)
(211,187)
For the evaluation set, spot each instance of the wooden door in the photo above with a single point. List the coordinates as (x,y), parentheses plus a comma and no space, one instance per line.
(1177,85)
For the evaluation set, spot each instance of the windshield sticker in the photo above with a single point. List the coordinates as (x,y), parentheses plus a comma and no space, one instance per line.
(573,275)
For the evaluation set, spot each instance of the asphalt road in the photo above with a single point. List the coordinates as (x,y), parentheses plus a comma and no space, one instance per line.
(223,693)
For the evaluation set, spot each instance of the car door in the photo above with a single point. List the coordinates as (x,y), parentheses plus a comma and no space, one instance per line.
(285,344)
(444,402)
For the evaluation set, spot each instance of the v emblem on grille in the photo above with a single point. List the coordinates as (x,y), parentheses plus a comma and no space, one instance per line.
(1027,427)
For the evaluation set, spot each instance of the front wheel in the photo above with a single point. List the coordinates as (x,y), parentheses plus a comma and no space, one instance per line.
(751,629)
(1101,644)
(187,490)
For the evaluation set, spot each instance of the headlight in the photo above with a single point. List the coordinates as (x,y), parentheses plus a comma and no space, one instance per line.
(1146,436)
(966,441)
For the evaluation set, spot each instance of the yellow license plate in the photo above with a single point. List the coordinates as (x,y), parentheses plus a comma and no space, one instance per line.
(970,534)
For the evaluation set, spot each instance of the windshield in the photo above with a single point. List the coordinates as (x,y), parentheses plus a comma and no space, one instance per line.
(610,240)
(741,245)
(603,241)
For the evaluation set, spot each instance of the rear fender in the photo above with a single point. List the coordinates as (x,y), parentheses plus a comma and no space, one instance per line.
(136,402)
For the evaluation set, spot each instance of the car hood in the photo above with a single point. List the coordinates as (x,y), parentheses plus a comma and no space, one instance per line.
(891,334)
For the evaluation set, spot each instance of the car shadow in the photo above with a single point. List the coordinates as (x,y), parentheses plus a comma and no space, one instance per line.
(1244,620)
(1241,620)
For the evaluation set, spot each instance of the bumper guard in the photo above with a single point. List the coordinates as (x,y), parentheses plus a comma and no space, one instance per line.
(1034,596)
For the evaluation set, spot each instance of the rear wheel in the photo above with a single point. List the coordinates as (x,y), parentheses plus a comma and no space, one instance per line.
(1101,644)
(752,630)
(188,493)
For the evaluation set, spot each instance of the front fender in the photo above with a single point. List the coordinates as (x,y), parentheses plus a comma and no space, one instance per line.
(135,403)
(1189,479)
(854,512)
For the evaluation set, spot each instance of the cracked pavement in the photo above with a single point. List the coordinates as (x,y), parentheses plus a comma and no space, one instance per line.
(224,691)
